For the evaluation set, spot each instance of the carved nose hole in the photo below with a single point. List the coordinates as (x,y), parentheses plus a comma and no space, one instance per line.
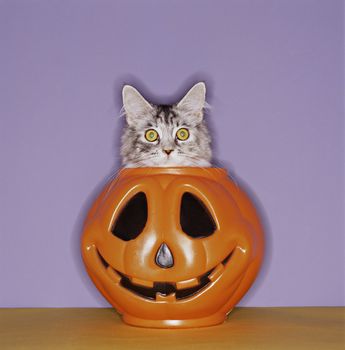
(164,257)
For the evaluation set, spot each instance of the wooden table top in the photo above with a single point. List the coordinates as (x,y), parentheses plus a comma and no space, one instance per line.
(246,328)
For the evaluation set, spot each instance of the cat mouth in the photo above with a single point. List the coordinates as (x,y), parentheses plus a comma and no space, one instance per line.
(165,291)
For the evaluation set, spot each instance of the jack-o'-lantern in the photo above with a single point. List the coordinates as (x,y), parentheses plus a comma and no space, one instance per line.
(172,247)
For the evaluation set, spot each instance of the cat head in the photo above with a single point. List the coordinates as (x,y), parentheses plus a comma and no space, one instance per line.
(165,135)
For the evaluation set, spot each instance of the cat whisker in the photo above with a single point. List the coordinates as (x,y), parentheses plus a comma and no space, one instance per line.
(205,169)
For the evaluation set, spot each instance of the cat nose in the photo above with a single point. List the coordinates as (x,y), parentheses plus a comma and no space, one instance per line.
(168,151)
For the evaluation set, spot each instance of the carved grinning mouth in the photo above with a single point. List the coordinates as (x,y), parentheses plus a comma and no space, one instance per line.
(171,291)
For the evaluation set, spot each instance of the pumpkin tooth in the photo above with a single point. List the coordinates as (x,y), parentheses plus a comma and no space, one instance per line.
(140,282)
(113,274)
(193,282)
(170,297)
(216,272)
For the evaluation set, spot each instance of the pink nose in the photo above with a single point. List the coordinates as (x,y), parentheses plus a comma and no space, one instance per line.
(168,151)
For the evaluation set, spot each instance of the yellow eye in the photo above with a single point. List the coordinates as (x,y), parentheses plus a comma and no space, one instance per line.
(151,135)
(182,134)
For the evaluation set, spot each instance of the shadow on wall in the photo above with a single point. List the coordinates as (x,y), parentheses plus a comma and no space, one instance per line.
(159,99)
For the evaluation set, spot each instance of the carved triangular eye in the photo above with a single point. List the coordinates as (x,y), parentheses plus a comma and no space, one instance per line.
(132,218)
(196,220)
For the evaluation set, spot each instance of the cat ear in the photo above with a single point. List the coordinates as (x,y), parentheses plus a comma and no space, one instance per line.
(134,104)
(194,101)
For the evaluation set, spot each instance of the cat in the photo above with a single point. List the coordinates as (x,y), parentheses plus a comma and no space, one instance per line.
(165,135)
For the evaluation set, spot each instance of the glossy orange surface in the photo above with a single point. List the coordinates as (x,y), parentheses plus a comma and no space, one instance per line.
(198,279)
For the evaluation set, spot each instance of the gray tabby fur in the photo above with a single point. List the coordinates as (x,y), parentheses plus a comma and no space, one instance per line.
(141,115)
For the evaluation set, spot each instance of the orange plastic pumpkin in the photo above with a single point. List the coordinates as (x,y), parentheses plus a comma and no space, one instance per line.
(172,247)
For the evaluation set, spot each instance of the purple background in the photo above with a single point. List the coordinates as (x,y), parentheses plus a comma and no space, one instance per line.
(274,71)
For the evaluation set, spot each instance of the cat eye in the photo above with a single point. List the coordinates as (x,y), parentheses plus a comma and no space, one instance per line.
(182,134)
(151,135)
